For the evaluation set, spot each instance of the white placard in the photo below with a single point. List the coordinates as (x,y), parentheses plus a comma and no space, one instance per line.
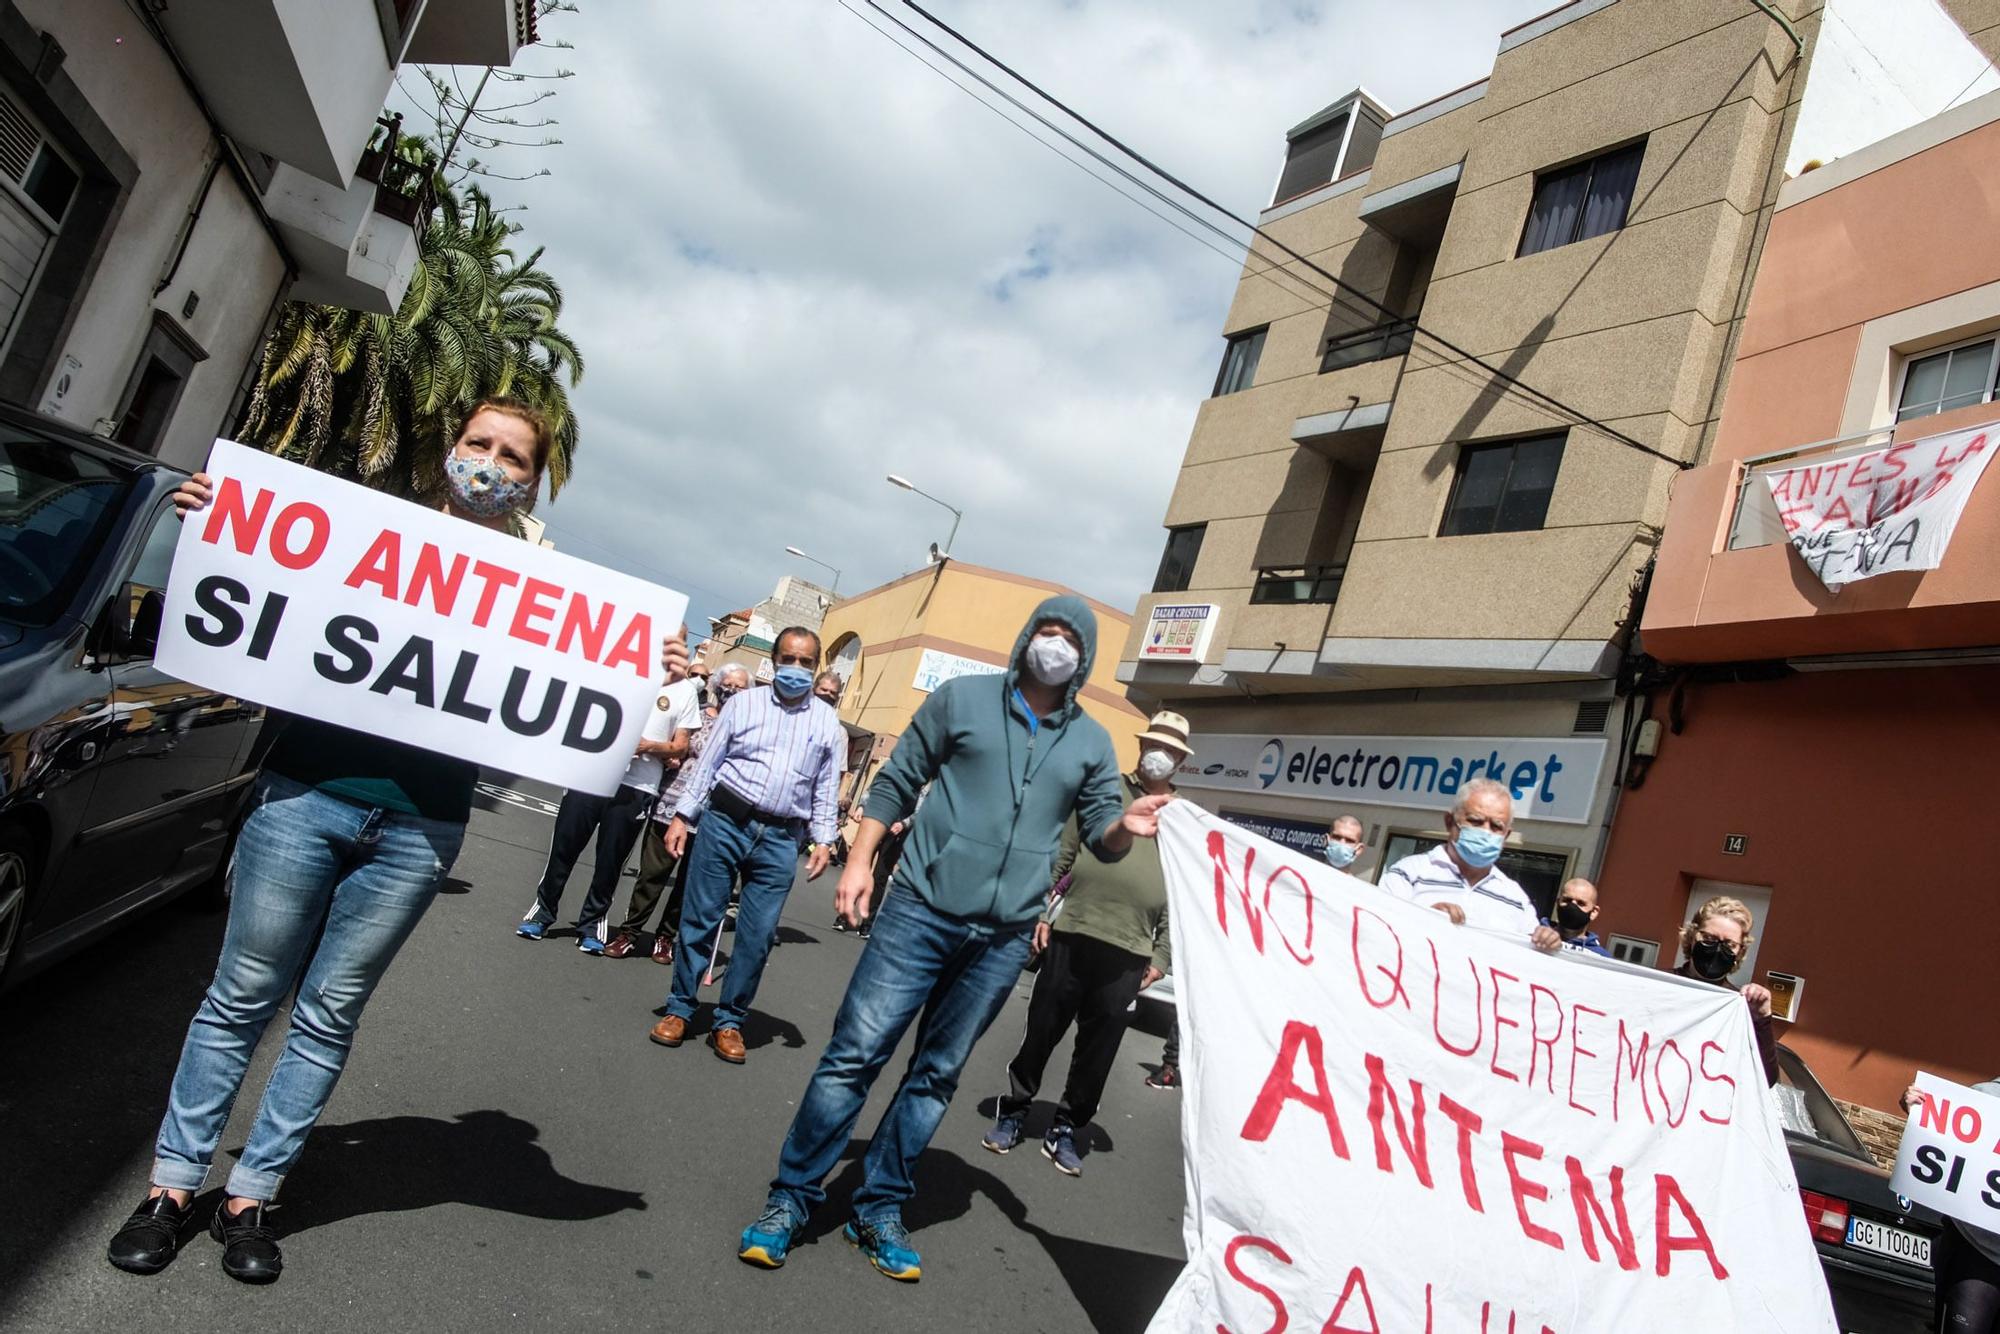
(1179,631)
(321,597)
(1390,1123)
(1881,511)
(935,667)
(1948,1159)
(1551,778)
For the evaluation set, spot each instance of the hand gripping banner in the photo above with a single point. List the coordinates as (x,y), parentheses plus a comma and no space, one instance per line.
(1395,1125)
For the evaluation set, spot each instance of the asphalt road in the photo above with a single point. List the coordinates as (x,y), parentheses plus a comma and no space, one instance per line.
(507,1150)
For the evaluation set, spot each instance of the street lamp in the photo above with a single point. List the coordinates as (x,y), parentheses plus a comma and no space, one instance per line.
(957,514)
(794,551)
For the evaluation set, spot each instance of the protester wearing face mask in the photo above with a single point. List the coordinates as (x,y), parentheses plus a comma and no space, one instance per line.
(769,777)
(1576,909)
(658,868)
(1715,940)
(347,840)
(1459,877)
(1103,942)
(1343,842)
(1009,759)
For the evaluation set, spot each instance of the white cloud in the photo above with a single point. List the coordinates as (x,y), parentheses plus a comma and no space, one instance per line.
(796,261)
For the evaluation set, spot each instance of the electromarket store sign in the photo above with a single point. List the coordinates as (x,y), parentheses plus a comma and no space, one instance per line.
(1550,778)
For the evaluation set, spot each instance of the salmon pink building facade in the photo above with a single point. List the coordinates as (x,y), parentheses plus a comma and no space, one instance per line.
(1818,738)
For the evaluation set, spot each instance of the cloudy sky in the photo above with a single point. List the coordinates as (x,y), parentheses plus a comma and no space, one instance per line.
(798,260)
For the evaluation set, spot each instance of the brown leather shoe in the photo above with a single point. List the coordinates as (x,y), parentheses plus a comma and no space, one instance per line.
(663,949)
(670,1031)
(621,945)
(728,1044)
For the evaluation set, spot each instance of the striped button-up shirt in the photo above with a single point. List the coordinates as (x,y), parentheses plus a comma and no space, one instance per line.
(1494,901)
(784,760)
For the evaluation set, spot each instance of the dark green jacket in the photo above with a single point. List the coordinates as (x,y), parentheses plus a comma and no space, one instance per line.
(984,845)
(1122,903)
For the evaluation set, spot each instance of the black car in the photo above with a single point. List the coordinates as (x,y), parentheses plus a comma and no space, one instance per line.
(1875,1247)
(119,785)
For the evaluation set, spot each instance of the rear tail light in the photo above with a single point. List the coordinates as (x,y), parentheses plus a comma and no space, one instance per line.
(1826,1216)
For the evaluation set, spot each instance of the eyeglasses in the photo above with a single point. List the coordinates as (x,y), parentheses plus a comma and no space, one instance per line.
(1707,938)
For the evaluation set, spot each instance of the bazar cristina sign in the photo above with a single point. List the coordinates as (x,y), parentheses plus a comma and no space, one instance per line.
(1550,778)
(935,668)
(323,598)
(1179,631)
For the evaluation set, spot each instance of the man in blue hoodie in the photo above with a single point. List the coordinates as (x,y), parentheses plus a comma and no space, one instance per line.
(1008,758)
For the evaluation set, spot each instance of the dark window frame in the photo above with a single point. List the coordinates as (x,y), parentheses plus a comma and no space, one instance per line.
(1234,341)
(1169,578)
(1304,151)
(1589,168)
(174,351)
(1474,448)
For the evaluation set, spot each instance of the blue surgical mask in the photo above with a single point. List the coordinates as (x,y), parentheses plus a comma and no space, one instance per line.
(1479,847)
(791,681)
(1340,856)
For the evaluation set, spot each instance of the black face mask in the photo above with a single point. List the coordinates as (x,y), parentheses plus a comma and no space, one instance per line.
(721,695)
(1572,917)
(1712,959)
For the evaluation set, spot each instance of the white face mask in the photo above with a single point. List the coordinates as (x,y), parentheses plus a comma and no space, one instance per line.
(1053,659)
(1156,765)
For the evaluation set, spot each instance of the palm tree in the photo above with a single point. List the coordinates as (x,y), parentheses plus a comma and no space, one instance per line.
(357,394)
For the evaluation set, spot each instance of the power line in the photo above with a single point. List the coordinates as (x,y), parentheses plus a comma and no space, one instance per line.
(1498,373)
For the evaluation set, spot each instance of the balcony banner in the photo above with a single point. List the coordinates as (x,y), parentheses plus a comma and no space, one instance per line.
(1394,1125)
(323,598)
(1882,511)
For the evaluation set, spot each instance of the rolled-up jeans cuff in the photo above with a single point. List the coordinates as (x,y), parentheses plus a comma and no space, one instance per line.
(172,1174)
(245,1184)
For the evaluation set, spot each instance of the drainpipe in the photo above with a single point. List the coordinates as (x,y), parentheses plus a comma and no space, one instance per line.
(1797,41)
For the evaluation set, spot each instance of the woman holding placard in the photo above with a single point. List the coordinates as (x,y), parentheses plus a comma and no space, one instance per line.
(347,839)
(1966,1260)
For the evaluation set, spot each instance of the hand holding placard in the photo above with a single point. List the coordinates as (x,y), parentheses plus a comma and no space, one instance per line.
(1949,1159)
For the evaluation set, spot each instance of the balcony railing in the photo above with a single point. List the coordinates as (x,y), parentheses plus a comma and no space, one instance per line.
(403,188)
(1373,344)
(1279,585)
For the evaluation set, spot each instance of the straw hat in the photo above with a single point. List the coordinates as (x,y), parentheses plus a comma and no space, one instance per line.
(1169,729)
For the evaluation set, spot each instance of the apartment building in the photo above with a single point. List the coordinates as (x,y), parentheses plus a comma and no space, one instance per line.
(170,173)
(1411,518)
(747,637)
(1823,718)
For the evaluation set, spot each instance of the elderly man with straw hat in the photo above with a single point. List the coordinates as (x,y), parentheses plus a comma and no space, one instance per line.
(1102,941)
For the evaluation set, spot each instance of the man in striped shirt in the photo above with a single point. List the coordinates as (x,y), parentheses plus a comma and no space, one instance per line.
(768,777)
(1459,876)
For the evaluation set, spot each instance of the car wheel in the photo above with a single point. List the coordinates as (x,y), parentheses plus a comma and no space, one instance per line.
(15,850)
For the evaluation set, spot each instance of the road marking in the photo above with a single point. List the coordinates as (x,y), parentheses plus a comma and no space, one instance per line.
(526,801)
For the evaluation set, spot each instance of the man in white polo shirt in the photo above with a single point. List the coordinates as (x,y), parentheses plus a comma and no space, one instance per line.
(1459,878)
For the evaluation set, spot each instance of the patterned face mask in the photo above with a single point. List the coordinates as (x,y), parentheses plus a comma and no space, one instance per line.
(481,487)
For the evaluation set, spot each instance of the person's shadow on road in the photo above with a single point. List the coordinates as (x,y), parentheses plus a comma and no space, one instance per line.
(1118,1289)
(489,1160)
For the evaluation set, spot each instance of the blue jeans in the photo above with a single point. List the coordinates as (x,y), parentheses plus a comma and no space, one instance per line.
(766,855)
(957,973)
(323,894)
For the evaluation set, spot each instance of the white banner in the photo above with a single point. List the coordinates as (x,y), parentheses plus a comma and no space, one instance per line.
(934,668)
(1551,779)
(1394,1125)
(1950,1155)
(1882,511)
(323,598)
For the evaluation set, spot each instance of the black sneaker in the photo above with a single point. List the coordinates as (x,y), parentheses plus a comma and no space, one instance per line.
(150,1238)
(250,1253)
(1168,1076)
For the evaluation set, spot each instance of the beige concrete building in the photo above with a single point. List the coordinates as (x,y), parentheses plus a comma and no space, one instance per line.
(1409,522)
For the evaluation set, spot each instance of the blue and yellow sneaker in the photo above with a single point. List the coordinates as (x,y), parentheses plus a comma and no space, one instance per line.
(768,1241)
(887,1247)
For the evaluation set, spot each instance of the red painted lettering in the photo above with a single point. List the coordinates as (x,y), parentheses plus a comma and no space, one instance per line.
(1395,975)
(380,565)
(577,626)
(1281,1088)
(1577,1051)
(1437,1007)
(1280,1318)
(1500,1022)
(494,578)
(633,647)
(1617,1228)
(226,510)
(429,579)
(1635,1067)
(1536,1039)
(1668,1191)
(1381,1097)
(1512,1149)
(1660,1082)
(537,604)
(1713,1078)
(1468,1124)
(1356,1282)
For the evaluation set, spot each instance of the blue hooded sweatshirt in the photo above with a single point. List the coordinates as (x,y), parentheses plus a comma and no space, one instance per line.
(1002,784)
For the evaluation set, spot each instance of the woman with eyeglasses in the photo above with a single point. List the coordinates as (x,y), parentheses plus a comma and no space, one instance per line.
(1715,941)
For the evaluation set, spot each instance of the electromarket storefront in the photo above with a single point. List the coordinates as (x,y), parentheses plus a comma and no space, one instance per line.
(1290,787)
